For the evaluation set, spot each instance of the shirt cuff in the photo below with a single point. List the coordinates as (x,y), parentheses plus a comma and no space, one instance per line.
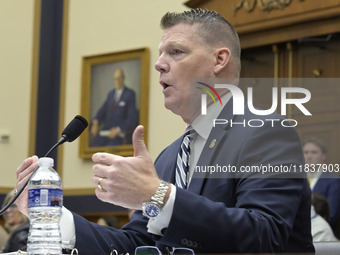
(67,229)
(155,226)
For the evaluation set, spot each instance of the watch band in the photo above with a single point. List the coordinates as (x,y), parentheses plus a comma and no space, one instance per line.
(160,193)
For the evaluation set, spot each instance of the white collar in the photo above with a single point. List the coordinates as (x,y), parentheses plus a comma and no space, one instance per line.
(203,123)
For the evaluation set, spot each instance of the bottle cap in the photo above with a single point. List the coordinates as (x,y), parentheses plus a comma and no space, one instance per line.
(48,162)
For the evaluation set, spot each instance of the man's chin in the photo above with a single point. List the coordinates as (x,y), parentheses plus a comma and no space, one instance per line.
(185,115)
(171,105)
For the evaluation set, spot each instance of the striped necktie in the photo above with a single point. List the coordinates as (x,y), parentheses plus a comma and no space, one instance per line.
(182,167)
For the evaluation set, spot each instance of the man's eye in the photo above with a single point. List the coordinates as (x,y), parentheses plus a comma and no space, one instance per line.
(176,52)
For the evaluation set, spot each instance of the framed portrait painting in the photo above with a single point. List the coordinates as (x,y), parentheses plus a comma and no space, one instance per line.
(114,99)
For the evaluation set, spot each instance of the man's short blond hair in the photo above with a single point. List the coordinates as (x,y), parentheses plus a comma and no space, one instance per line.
(213,29)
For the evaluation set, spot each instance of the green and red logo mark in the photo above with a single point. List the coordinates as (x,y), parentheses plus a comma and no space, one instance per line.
(204,97)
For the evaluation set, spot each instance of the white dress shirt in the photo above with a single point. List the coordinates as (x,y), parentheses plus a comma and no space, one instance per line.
(321,230)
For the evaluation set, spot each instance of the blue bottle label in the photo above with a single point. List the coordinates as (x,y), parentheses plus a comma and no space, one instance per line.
(45,197)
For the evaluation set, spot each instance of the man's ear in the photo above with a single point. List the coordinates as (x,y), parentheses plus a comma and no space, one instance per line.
(222,57)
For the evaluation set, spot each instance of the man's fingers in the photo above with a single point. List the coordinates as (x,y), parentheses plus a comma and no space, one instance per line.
(105,161)
(27,166)
(104,158)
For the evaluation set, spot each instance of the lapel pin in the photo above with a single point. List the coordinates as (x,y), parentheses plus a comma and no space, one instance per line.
(212,144)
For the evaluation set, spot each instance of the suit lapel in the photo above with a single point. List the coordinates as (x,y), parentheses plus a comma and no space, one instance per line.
(211,147)
(169,159)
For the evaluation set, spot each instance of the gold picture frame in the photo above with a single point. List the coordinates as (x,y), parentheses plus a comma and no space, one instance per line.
(110,127)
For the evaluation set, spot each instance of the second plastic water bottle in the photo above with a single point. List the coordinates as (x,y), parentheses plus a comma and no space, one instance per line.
(45,199)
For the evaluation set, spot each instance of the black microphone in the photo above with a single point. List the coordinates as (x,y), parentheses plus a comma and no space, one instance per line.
(71,132)
(75,128)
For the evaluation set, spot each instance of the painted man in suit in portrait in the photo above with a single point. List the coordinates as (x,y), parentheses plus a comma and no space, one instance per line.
(116,119)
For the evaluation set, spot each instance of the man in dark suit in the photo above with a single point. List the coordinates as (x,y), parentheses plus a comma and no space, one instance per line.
(323,182)
(236,212)
(117,117)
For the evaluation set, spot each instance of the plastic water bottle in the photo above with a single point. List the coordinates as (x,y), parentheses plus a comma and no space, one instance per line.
(45,199)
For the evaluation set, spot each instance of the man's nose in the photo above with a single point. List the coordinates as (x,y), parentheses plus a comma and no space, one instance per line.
(161,65)
(308,155)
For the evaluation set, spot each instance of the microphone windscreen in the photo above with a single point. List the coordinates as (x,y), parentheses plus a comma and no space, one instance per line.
(75,128)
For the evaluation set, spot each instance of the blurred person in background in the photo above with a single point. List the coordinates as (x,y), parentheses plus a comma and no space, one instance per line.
(17,225)
(321,230)
(324,181)
(109,220)
(130,213)
(3,237)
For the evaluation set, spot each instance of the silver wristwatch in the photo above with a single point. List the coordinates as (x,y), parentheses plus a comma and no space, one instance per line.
(153,208)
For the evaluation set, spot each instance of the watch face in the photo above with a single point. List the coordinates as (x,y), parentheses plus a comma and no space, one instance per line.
(151,210)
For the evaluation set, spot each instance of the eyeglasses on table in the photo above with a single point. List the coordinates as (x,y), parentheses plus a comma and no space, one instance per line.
(153,250)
